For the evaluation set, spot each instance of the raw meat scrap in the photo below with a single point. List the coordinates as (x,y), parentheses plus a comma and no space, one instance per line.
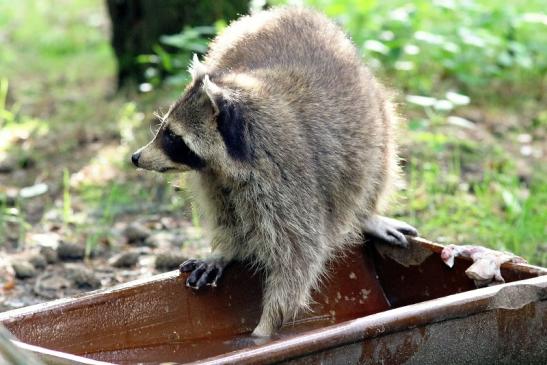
(486,262)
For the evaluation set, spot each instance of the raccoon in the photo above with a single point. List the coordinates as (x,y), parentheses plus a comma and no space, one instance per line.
(289,141)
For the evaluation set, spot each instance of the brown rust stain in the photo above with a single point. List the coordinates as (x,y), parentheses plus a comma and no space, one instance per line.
(396,351)
(514,327)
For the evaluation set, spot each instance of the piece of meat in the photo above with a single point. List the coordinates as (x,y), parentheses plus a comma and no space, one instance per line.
(485,269)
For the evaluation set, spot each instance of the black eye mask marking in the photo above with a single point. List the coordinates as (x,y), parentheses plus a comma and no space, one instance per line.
(175,148)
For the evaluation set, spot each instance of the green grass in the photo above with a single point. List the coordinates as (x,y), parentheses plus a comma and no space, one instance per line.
(493,208)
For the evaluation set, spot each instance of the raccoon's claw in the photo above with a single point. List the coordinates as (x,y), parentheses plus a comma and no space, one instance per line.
(188,265)
(203,272)
(389,230)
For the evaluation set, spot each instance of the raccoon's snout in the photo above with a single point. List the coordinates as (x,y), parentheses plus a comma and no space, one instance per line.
(135,158)
(167,152)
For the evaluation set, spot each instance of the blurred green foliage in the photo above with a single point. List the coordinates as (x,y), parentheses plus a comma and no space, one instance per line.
(491,50)
(173,54)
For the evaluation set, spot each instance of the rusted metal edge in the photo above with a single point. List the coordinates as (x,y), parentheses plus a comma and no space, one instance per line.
(506,296)
(68,303)
(437,248)
(57,357)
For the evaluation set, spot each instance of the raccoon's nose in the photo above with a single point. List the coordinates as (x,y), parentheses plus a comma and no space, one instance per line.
(135,158)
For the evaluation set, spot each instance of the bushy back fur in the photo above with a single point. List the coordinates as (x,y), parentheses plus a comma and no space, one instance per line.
(309,139)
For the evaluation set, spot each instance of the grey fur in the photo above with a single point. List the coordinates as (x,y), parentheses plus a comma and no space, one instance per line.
(321,158)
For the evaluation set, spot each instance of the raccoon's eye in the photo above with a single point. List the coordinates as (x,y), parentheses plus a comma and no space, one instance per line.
(175,148)
(170,139)
(171,136)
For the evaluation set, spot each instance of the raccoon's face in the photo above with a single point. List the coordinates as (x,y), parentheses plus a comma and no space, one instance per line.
(205,128)
(185,137)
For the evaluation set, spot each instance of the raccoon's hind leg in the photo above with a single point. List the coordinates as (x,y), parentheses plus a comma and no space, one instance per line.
(279,302)
(203,272)
(287,290)
(388,229)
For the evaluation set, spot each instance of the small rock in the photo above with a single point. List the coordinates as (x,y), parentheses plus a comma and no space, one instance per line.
(49,254)
(23,269)
(136,233)
(7,164)
(47,239)
(38,261)
(100,250)
(53,282)
(164,240)
(50,285)
(169,261)
(168,222)
(53,215)
(70,251)
(125,259)
(83,278)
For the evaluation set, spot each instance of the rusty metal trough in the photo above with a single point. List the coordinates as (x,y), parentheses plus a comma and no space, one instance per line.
(381,305)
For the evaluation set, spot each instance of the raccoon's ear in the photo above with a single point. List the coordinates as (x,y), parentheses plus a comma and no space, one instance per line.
(196,68)
(231,122)
(214,93)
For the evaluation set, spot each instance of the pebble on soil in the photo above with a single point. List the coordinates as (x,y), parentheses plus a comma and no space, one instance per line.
(50,268)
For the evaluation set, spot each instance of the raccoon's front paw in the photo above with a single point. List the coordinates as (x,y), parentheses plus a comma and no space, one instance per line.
(203,272)
(389,230)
